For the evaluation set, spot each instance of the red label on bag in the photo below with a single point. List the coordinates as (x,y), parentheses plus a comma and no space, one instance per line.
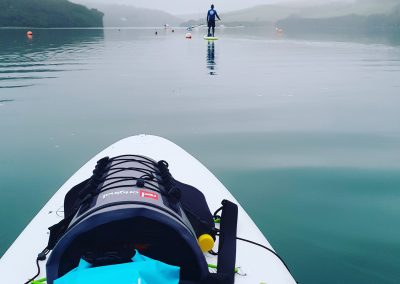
(146,194)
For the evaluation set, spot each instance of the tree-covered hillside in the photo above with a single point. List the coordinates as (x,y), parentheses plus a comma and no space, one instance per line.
(271,13)
(304,9)
(47,13)
(130,16)
(348,23)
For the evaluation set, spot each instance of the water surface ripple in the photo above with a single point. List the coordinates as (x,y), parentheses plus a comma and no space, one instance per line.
(43,53)
(305,133)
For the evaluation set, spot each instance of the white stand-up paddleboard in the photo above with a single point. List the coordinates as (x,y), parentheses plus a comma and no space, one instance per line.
(210,37)
(257,265)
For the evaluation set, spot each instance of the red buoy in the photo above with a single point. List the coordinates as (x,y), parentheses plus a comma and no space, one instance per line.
(29,33)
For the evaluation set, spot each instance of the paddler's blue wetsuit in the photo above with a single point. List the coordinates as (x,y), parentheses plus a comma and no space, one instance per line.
(211,20)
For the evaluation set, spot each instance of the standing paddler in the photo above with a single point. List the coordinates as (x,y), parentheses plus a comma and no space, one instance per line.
(211,20)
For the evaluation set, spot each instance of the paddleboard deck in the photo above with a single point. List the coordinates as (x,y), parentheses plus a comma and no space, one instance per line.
(210,38)
(257,265)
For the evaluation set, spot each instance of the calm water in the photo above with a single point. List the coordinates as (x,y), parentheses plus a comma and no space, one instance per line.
(306,134)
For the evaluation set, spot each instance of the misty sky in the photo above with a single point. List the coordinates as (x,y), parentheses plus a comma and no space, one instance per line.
(195,6)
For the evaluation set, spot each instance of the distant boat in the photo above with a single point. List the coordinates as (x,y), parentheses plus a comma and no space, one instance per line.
(166,26)
(278,30)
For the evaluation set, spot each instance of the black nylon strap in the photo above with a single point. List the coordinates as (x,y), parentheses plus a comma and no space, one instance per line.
(71,206)
(57,230)
(227,241)
(226,249)
(72,199)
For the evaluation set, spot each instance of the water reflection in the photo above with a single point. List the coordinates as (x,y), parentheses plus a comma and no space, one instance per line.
(388,37)
(24,61)
(211,64)
(2,102)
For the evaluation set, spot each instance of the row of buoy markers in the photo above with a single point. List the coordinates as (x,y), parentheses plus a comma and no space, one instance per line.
(29,34)
(156,32)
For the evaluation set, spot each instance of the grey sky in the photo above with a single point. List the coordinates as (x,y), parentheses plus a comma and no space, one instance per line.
(196,6)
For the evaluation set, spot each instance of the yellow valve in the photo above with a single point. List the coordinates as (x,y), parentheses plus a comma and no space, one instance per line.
(206,242)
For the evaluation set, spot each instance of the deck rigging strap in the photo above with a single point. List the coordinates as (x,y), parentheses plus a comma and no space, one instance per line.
(227,240)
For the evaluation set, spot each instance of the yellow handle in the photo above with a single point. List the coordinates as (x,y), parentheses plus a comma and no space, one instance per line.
(206,242)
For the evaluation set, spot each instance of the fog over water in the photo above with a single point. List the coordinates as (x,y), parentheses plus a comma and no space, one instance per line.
(198,6)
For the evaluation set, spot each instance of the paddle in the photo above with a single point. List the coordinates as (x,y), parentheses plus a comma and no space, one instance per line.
(196,26)
(192,27)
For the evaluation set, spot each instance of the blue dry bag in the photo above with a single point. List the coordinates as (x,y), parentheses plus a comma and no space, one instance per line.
(142,270)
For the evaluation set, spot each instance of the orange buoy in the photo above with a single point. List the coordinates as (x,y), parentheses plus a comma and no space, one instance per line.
(29,33)
(188,35)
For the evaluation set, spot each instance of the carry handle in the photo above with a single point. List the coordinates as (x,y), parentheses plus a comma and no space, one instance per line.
(227,241)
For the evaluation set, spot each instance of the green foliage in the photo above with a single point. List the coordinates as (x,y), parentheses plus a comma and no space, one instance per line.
(47,13)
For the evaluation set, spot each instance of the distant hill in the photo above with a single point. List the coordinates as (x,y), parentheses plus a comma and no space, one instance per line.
(387,22)
(323,10)
(130,16)
(47,13)
(264,14)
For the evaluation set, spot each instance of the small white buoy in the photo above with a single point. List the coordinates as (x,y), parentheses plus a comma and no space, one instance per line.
(188,35)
